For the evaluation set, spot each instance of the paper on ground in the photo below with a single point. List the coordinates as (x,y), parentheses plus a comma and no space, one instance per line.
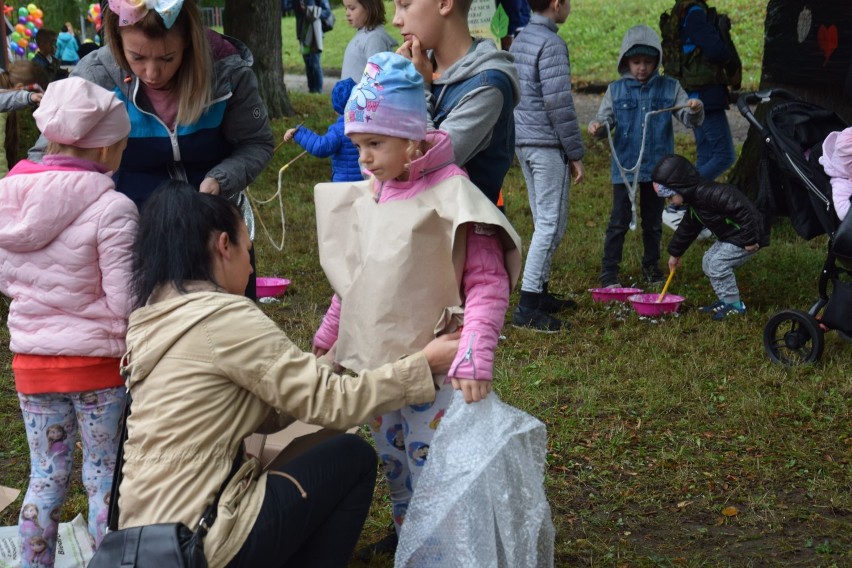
(73,546)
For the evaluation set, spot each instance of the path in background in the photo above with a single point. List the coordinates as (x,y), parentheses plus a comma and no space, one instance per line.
(586,104)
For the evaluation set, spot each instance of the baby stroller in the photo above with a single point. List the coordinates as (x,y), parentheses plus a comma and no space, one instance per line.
(792,183)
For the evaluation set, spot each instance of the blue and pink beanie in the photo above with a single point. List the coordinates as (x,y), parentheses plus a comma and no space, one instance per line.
(389,100)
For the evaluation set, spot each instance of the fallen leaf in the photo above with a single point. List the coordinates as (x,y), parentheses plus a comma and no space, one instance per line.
(730,511)
(683,504)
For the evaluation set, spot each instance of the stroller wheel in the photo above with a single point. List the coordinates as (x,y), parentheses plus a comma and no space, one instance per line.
(793,337)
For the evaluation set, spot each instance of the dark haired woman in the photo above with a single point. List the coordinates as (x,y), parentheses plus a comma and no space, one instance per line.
(207,368)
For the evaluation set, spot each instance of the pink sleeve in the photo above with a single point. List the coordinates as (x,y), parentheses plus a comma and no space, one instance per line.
(326,335)
(485,284)
(116,232)
(841,192)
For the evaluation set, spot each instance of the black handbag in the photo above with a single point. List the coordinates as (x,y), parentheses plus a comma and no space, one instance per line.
(165,545)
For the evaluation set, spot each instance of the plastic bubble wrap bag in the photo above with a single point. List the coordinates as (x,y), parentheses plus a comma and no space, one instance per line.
(479,501)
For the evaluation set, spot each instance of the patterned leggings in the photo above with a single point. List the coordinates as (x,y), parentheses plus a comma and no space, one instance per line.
(52,421)
(402,439)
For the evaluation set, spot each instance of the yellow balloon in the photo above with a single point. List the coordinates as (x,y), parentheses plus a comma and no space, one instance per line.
(31,8)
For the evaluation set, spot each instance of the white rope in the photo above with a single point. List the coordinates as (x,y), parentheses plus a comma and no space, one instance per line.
(632,185)
(279,194)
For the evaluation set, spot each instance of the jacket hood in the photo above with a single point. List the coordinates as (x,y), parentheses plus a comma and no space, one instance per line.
(639,35)
(678,174)
(836,156)
(33,213)
(155,328)
(439,155)
(482,56)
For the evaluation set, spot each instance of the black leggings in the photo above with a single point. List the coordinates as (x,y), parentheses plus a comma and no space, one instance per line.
(338,476)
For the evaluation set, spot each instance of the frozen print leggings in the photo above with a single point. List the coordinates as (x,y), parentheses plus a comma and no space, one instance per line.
(402,439)
(52,421)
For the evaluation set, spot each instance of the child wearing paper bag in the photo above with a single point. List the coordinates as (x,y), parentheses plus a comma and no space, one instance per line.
(407,251)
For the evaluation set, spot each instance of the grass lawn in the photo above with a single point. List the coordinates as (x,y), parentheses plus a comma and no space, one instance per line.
(593,32)
(671,441)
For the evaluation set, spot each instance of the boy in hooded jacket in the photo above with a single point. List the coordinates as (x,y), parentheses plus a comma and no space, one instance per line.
(640,90)
(334,143)
(472,87)
(727,213)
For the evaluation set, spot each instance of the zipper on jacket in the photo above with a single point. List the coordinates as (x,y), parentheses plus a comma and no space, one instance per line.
(468,356)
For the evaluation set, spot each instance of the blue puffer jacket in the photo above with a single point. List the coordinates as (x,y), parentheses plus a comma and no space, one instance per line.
(545,117)
(344,155)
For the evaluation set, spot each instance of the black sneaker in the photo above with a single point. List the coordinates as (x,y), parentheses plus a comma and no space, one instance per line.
(551,304)
(386,545)
(538,320)
(654,277)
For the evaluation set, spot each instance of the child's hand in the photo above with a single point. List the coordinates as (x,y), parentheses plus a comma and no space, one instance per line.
(576,167)
(752,248)
(674,263)
(694,105)
(35,98)
(594,126)
(289,134)
(473,390)
(411,50)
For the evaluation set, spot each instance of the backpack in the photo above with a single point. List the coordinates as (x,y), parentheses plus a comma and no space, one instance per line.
(692,69)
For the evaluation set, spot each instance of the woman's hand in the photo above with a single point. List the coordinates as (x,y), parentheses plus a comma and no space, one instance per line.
(694,105)
(473,390)
(752,248)
(209,185)
(441,351)
(576,168)
(593,127)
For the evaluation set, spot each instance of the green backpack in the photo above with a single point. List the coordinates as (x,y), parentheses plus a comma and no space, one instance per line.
(692,69)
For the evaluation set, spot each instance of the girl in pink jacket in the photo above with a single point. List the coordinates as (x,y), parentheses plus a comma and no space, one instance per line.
(418,244)
(65,252)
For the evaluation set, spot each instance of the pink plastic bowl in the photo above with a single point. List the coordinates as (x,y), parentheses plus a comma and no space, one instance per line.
(613,294)
(268,287)
(647,305)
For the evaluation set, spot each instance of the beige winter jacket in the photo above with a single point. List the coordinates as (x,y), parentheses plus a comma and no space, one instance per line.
(207,369)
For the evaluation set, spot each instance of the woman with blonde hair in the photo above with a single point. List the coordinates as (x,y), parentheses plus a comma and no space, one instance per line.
(195,110)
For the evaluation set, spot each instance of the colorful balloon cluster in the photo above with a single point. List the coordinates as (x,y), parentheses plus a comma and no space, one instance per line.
(94,15)
(22,40)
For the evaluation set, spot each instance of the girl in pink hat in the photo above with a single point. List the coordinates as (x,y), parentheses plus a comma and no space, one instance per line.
(65,250)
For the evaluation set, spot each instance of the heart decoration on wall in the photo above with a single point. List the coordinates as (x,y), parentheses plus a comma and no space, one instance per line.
(827,40)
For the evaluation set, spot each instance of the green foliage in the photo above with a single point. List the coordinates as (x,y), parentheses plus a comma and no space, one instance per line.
(500,22)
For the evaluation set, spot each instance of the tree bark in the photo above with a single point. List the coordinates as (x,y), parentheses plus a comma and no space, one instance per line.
(800,55)
(258,24)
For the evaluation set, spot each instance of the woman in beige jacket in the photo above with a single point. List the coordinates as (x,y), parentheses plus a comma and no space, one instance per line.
(206,368)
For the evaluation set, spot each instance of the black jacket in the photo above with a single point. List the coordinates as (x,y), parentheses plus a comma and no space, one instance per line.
(720,207)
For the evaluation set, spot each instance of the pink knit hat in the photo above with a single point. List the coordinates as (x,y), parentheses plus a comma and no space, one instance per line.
(79,113)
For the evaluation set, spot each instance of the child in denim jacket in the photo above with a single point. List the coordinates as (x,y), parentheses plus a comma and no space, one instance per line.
(640,90)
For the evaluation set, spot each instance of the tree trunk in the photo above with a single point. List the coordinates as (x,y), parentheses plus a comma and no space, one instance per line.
(258,24)
(807,51)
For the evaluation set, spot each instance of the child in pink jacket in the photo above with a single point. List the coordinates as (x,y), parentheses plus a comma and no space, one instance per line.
(423,243)
(836,160)
(65,252)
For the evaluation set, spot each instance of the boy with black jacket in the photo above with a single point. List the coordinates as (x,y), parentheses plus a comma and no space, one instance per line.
(727,212)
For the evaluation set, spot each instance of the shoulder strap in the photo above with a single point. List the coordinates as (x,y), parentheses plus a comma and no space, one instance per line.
(209,516)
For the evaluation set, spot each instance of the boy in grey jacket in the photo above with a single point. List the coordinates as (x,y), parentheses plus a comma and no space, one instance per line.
(549,147)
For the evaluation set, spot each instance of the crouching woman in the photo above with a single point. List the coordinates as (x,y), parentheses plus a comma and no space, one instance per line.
(206,368)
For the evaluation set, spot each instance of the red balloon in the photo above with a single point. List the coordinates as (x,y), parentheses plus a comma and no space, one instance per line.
(38,23)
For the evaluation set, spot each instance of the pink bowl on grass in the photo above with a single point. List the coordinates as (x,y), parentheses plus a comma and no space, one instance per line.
(647,304)
(268,287)
(613,294)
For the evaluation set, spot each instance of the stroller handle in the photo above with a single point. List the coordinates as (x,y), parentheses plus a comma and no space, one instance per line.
(746,100)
